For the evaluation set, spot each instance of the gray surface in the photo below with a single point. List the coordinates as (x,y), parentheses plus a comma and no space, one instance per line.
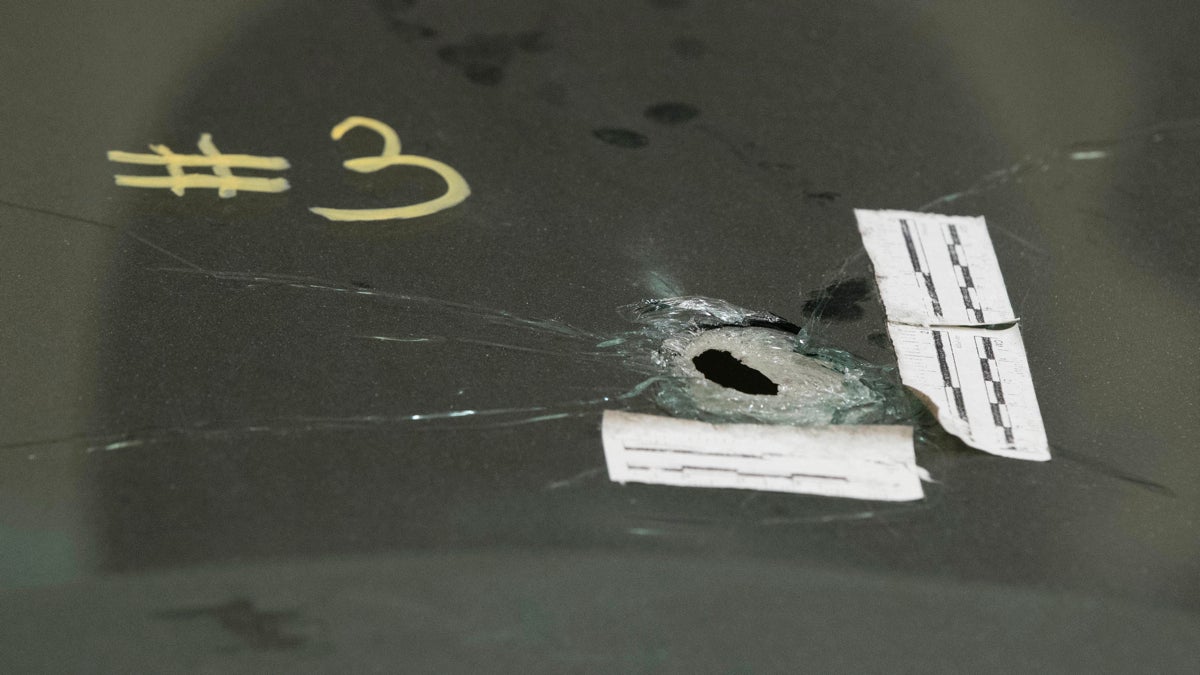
(561,612)
(251,422)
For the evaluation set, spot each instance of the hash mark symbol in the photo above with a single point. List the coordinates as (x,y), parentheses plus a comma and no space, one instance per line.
(222,179)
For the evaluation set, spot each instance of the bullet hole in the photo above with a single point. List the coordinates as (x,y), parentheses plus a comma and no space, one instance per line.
(730,364)
(721,367)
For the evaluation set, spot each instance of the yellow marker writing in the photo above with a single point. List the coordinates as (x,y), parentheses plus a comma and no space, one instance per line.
(222,178)
(456,186)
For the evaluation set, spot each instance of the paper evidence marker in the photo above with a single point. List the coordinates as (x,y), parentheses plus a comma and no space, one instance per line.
(861,462)
(956,338)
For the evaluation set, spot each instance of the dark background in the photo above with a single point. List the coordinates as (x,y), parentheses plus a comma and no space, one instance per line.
(208,462)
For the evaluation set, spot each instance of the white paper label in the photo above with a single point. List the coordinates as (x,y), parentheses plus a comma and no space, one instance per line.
(978,381)
(935,270)
(940,283)
(861,462)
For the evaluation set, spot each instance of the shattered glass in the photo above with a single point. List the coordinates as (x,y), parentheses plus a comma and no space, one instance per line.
(816,384)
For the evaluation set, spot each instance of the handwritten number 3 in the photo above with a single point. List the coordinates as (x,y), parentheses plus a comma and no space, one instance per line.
(456,186)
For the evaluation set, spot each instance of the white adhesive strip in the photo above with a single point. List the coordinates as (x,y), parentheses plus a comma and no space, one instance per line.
(941,283)
(860,462)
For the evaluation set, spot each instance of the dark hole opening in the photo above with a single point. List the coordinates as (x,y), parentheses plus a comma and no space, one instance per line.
(721,367)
